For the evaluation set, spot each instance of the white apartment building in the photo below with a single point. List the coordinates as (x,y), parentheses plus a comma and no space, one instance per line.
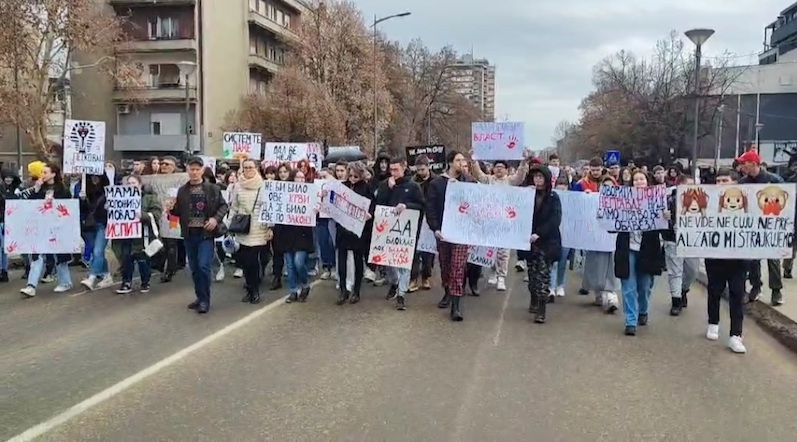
(475,79)
(198,58)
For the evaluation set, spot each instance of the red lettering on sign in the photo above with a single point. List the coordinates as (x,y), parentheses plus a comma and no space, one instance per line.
(490,136)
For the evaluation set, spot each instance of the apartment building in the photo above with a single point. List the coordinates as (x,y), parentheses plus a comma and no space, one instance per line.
(197,59)
(475,79)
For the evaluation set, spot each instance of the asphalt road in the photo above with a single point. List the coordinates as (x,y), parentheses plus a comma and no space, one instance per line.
(317,371)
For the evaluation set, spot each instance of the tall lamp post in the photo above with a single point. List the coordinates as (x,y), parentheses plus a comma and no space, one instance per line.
(376,115)
(187,69)
(698,37)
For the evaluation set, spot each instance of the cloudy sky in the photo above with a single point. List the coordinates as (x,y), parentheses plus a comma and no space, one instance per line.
(544,50)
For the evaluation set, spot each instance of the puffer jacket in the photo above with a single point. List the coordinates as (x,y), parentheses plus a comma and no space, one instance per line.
(248,200)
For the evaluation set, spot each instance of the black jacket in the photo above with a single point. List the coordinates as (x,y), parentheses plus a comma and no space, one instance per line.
(436,199)
(216,208)
(672,207)
(651,255)
(345,240)
(405,191)
(424,183)
(379,176)
(765,177)
(547,218)
(7,191)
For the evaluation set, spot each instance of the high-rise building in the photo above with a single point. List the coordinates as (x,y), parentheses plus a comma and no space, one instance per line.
(475,79)
(198,58)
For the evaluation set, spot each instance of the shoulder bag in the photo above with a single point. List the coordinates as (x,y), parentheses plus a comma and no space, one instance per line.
(242,223)
(155,244)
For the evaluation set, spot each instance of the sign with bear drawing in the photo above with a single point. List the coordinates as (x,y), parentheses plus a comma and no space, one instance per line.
(738,221)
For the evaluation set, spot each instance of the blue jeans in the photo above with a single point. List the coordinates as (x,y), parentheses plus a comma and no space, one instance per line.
(129,261)
(88,245)
(325,249)
(636,291)
(559,270)
(3,254)
(401,278)
(200,250)
(296,264)
(37,269)
(99,265)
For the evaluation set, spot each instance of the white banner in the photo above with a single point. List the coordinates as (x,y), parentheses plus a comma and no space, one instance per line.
(482,256)
(346,207)
(319,183)
(497,141)
(124,212)
(165,187)
(580,229)
(278,153)
(393,237)
(241,145)
(426,240)
(42,226)
(632,209)
(289,203)
(84,147)
(490,216)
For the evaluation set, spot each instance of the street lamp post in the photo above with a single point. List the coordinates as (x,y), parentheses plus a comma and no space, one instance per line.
(376,115)
(187,68)
(758,127)
(698,37)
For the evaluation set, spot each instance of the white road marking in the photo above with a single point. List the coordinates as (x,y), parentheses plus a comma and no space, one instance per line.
(497,337)
(114,390)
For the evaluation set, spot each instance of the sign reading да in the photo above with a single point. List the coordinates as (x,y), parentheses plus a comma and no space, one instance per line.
(746,221)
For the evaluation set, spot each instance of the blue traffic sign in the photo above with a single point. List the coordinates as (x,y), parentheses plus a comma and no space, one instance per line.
(612,157)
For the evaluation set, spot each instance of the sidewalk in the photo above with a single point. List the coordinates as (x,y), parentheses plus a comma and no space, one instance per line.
(781,321)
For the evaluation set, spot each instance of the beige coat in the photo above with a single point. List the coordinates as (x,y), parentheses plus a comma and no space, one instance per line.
(243,200)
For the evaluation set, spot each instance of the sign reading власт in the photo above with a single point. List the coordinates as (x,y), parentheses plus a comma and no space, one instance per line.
(632,209)
(289,203)
(497,141)
(124,212)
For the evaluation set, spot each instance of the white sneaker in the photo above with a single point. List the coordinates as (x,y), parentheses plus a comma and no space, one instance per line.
(105,282)
(611,302)
(48,279)
(560,292)
(736,345)
(493,280)
(326,275)
(551,292)
(89,282)
(520,266)
(63,288)
(378,282)
(600,299)
(713,332)
(369,275)
(220,274)
(500,284)
(526,278)
(239,273)
(28,291)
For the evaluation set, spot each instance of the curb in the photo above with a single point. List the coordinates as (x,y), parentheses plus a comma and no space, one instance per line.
(775,323)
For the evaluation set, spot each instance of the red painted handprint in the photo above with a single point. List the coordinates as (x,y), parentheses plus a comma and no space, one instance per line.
(512,142)
(377,259)
(53,240)
(9,211)
(63,211)
(381,227)
(489,253)
(11,248)
(463,208)
(511,213)
(46,207)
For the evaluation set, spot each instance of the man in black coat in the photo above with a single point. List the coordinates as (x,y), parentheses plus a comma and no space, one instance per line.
(400,192)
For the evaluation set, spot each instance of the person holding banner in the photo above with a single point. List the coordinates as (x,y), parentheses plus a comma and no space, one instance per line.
(346,241)
(638,258)
(681,272)
(96,214)
(132,250)
(453,257)
(423,263)
(299,244)
(400,192)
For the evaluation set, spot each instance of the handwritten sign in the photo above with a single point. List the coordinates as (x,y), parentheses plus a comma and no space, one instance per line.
(84,147)
(165,187)
(426,239)
(580,229)
(278,153)
(289,203)
(490,216)
(497,141)
(346,207)
(482,256)
(124,212)
(315,155)
(750,221)
(435,153)
(393,237)
(241,145)
(632,209)
(42,226)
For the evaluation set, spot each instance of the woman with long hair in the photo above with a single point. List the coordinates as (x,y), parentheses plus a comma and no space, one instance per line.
(280,239)
(94,206)
(132,250)
(152,167)
(248,201)
(300,245)
(346,241)
(49,186)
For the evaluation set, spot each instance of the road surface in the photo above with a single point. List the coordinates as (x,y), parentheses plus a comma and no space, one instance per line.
(319,372)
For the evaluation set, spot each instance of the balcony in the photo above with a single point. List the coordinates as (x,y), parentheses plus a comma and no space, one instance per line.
(163,94)
(152,2)
(270,25)
(147,142)
(782,33)
(264,63)
(165,44)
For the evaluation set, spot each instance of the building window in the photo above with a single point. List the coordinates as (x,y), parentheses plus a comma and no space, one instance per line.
(155,127)
(164,75)
(286,20)
(163,28)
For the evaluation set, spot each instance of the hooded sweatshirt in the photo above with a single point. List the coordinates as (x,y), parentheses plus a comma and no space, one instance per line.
(547,216)
(7,191)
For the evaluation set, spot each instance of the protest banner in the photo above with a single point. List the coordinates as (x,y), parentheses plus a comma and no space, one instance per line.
(241,145)
(289,203)
(315,155)
(124,212)
(491,216)
(42,226)
(555,171)
(278,153)
(84,147)
(393,237)
(426,239)
(580,229)
(319,187)
(749,221)
(436,154)
(632,209)
(165,187)
(346,207)
(333,149)
(209,162)
(482,256)
(497,141)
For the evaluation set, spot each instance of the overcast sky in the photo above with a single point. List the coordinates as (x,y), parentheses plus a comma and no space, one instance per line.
(544,50)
